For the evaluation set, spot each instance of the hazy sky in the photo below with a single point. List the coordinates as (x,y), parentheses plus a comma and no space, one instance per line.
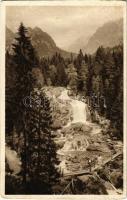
(65,24)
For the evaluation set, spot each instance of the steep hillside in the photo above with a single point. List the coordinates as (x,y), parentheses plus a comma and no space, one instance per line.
(109,35)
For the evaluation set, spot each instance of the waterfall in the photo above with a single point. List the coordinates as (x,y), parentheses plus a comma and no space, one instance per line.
(80,114)
(79,108)
(74,141)
(79,111)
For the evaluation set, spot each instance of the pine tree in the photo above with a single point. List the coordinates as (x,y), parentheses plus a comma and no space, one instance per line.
(61,75)
(10,82)
(83,78)
(58,61)
(90,75)
(72,77)
(44,65)
(41,150)
(24,59)
(86,58)
(52,72)
(100,55)
(116,112)
(110,82)
(79,60)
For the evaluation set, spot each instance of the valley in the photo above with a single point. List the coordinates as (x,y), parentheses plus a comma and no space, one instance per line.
(64,102)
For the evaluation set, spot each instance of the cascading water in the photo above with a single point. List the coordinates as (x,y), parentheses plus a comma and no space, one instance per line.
(80,115)
(81,118)
(79,108)
(79,111)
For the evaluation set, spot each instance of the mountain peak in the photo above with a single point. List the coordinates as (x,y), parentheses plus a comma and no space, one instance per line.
(42,42)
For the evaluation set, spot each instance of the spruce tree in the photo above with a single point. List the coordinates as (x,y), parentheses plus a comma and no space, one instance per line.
(41,151)
(61,75)
(90,75)
(110,83)
(86,58)
(83,78)
(100,55)
(24,59)
(79,60)
(72,77)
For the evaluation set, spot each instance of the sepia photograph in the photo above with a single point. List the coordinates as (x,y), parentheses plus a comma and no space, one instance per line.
(64,99)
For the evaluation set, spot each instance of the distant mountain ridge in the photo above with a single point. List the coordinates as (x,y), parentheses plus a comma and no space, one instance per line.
(42,42)
(77,44)
(108,35)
